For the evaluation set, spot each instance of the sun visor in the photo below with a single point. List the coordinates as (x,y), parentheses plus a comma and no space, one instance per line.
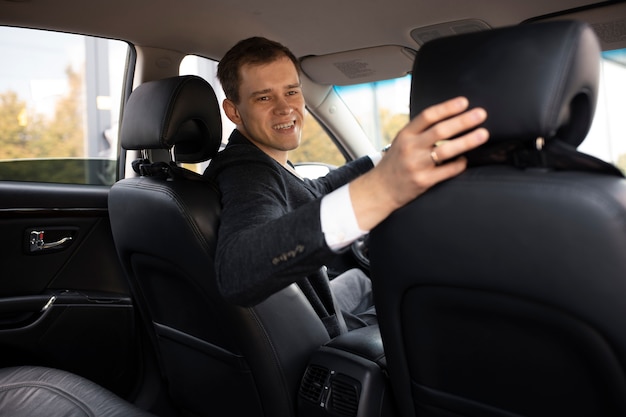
(359,65)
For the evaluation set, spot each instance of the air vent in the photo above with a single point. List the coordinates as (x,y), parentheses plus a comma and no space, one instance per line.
(313,382)
(344,396)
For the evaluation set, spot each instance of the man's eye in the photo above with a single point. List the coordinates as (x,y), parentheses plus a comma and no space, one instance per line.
(292,93)
(263,98)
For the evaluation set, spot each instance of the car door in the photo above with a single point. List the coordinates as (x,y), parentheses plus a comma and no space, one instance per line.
(64,301)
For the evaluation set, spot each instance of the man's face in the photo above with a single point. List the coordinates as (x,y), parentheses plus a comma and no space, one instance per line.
(271,108)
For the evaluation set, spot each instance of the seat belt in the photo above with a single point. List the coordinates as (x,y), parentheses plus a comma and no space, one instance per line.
(317,290)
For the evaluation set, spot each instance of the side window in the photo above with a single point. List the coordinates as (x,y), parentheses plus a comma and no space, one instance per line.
(207,69)
(60,98)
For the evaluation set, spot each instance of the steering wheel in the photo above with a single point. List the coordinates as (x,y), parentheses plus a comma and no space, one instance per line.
(360,251)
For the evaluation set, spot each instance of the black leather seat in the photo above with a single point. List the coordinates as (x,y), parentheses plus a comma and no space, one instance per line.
(217,359)
(43,392)
(502,291)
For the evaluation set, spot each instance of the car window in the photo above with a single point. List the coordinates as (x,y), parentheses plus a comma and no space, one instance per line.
(207,69)
(60,97)
(316,149)
(607,137)
(382,108)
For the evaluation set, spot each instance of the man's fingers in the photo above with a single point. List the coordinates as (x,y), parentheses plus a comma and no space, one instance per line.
(438,112)
(452,148)
(448,170)
(454,126)
(444,121)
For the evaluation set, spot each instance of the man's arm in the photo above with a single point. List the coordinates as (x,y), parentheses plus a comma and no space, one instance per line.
(409,169)
(280,246)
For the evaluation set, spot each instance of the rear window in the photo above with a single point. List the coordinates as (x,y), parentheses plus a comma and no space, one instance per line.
(60,98)
(607,138)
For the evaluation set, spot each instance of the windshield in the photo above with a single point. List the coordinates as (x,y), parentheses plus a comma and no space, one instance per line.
(382,107)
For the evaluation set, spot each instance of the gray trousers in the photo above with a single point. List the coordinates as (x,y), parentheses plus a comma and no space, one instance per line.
(354,298)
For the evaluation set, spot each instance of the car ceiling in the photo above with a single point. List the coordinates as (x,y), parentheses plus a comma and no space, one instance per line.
(210,27)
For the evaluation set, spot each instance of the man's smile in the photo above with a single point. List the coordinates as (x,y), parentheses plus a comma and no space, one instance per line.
(284,126)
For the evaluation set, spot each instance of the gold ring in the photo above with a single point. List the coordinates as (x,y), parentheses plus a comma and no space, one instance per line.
(435,157)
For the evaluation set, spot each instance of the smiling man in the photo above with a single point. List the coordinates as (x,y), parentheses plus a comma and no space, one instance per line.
(277,228)
(270,107)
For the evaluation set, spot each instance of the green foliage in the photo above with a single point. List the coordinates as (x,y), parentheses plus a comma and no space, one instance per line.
(71,171)
(316,145)
(27,134)
(13,134)
(621,163)
(391,123)
(36,147)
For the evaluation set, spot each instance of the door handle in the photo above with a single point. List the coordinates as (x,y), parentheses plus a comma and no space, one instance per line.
(38,243)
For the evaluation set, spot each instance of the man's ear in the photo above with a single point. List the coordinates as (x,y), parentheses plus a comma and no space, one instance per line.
(230,109)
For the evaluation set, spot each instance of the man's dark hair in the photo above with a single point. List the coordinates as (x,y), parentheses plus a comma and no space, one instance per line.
(256,50)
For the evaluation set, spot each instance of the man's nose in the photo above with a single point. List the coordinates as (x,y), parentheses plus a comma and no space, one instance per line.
(283,106)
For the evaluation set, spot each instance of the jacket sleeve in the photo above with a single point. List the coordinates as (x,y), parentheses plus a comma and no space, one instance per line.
(342,175)
(263,246)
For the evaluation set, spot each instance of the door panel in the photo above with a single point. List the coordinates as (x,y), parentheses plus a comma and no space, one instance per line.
(65,305)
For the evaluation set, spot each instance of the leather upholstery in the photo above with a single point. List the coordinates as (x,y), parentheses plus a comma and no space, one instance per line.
(241,361)
(501,292)
(364,342)
(42,392)
(180,112)
(545,89)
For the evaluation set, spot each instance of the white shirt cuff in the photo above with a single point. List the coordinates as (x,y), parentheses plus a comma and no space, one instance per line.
(376,157)
(338,220)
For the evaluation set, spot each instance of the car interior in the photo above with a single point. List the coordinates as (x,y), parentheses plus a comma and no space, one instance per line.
(498,292)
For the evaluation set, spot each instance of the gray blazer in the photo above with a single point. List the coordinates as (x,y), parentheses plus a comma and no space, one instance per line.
(270,234)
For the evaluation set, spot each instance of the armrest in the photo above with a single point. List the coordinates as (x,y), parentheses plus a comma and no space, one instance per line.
(365,342)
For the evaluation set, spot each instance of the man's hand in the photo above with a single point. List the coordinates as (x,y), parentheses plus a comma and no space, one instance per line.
(421,156)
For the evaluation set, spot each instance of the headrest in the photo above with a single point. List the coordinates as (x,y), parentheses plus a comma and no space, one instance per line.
(535,80)
(180,112)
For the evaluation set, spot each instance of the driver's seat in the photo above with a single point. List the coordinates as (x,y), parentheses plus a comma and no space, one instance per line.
(216,358)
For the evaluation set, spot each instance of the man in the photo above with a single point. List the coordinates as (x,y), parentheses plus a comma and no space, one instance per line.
(277,228)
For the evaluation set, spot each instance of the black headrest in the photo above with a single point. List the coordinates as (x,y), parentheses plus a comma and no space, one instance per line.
(180,112)
(534,80)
